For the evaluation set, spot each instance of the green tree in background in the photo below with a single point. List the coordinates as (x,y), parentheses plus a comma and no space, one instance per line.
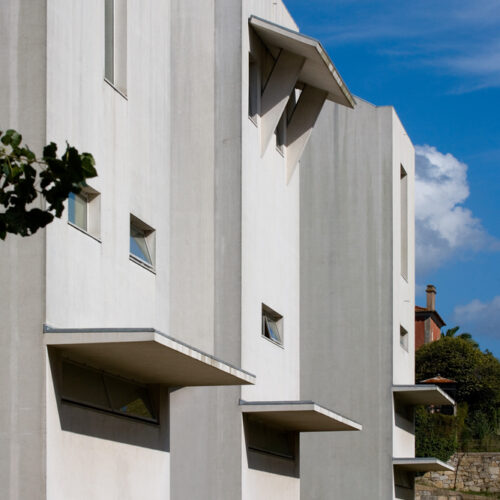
(24,178)
(467,336)
(438,435)
(477,374)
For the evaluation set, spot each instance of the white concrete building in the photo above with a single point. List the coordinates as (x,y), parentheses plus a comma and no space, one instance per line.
(357,303)
(158,341)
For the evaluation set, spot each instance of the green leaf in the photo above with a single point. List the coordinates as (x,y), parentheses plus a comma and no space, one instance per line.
(50,151)
(16,139)
(57,177)
(6,138)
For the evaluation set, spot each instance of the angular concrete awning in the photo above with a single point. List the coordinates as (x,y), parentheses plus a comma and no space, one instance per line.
(421,395)
(145,355)
(299,416)
(421,464)
(318,70)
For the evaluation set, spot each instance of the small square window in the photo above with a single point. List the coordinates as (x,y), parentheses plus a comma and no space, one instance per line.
(84,211)
(272,325)
(142,242)
(403,338)
(78,210)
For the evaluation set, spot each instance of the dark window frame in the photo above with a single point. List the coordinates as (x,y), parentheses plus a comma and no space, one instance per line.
(109,409)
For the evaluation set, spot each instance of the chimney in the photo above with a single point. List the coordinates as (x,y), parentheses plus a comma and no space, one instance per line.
(431,297)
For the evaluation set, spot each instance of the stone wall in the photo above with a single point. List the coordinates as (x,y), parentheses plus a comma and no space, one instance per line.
(425,492)
(479,472)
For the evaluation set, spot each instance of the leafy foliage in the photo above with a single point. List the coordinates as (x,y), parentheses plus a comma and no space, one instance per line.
(437,435)
(467,336)
(24,177)
(477,374)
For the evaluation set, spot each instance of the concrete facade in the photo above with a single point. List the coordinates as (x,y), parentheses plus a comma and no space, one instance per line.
(357,300)
(244,228)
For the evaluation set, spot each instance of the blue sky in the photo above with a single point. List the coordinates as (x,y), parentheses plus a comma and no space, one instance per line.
(438,64)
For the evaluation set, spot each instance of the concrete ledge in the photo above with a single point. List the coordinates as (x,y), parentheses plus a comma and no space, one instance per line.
(299,416)
(423,464)
(421,395)
(145,355)
(318,70)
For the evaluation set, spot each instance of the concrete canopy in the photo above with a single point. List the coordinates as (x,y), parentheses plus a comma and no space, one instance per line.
(299,416)
(145,355)
(421,395)
(318,70)
(424,464)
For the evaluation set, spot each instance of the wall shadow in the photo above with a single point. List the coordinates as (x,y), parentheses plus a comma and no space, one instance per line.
(112,427)
(267,461)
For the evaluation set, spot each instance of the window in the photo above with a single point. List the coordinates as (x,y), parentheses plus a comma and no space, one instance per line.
(84,211)
(403,338)
(95,389)
(115,43)
(404,223)
(272,325)
(280,133)
(266,439)
(77,210)
(142,242)
(253,90)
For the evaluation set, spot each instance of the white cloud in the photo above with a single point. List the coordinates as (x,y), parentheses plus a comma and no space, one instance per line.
(479,317)
(443,225)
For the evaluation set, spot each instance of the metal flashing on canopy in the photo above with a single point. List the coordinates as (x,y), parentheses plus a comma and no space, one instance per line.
(298,416)
(421,464)
(145,355)
(421,395)
(318,70)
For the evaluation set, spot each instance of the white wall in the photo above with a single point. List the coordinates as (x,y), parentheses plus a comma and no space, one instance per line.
(270,268)
(94,284)
(404,289)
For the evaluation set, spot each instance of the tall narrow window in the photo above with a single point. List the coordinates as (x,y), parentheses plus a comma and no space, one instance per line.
(253,90)
(404,222)
(109,72)
(280,133)
(115,43)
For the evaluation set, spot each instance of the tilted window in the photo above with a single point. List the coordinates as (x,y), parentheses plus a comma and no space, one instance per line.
(92,388)
(272,325)
(142,242)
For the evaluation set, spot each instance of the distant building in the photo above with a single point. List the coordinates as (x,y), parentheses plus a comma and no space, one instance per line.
(447,385)
(428,322)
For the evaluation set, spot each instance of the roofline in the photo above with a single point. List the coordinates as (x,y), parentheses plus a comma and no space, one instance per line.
(321,51)
(427,312)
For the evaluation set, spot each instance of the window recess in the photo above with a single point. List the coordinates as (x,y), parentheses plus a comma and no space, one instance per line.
(84,211)
(92,388)
(272,325)
(404,222)
(142,242)
(403,338)
(115,44)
